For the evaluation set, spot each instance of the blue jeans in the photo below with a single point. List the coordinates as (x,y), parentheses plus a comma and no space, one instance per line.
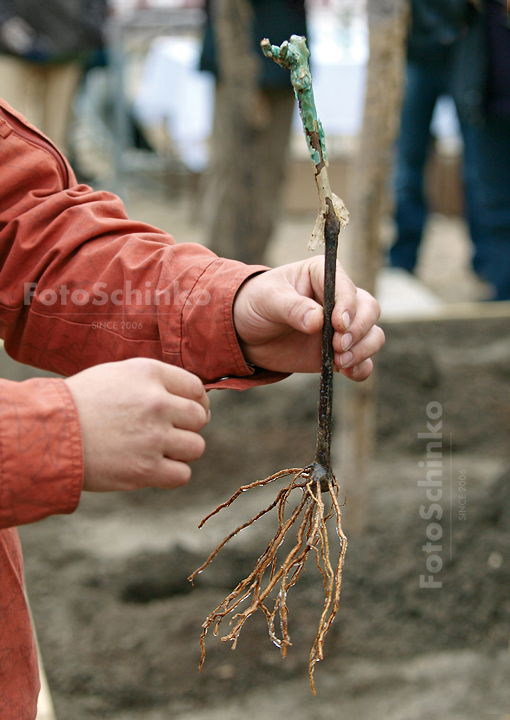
(423,88)
(491,259)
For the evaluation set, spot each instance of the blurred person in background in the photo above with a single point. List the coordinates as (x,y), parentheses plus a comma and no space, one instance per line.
(249,149)
(461,48)
(44,48)
(435,31)
(482,90)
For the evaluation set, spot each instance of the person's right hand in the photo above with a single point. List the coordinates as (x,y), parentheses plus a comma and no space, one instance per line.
(140,421)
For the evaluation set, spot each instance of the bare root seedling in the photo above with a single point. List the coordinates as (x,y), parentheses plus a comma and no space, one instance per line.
(310,514)
(314,488)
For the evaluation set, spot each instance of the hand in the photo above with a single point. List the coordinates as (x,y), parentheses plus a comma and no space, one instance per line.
(140,421)
(278,317)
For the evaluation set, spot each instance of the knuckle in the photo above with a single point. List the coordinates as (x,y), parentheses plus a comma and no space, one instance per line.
(371,342)
(196,446)
(186,446)
(364,370)
(201,445)
(179,475)
(363,327)
(345,284)
(144,469)
(157,404)
(196,414)
(192,386)
(196,388)
(290,306)
(373,304)
(141,365)
(359,333)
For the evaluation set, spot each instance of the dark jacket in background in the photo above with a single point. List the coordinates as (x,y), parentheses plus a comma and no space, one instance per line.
(436,26)
(274,19)
(498,42)
(481,72)
(63,29)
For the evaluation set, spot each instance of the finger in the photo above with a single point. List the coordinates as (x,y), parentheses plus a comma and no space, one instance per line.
(305,314)
(361,372)
(164,472)
(367,314)
(369,345)
(183,445)
(172,474)
(182,383)
(346,300)
(186,414)
(296,298)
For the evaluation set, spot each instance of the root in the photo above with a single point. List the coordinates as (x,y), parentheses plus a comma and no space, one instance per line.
(268,577)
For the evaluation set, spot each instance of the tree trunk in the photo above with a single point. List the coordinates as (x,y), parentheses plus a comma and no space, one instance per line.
(250,137)
(370,181)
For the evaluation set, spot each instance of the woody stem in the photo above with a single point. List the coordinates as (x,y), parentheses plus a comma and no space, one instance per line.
(325,429)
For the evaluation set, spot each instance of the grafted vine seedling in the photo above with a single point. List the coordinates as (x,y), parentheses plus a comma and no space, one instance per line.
(314,487)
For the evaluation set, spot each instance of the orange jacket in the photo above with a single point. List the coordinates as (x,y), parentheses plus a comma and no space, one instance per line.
(81,284)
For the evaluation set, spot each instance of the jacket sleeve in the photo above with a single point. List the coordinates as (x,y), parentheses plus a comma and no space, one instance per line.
(81,283)
(41,459)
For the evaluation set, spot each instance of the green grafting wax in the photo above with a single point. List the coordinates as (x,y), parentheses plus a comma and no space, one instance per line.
(293,54)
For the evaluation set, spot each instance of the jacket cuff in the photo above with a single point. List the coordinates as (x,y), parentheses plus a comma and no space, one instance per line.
(41,453)
(210,347)
(257,378)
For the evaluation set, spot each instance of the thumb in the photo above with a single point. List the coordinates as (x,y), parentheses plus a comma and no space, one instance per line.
(302,313)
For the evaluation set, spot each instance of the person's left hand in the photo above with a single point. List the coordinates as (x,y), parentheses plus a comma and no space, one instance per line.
(278,318)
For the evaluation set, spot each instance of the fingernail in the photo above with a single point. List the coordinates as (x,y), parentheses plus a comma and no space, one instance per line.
(345,359)
(346,341)
(355,369)
(307,318)
(347,320)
